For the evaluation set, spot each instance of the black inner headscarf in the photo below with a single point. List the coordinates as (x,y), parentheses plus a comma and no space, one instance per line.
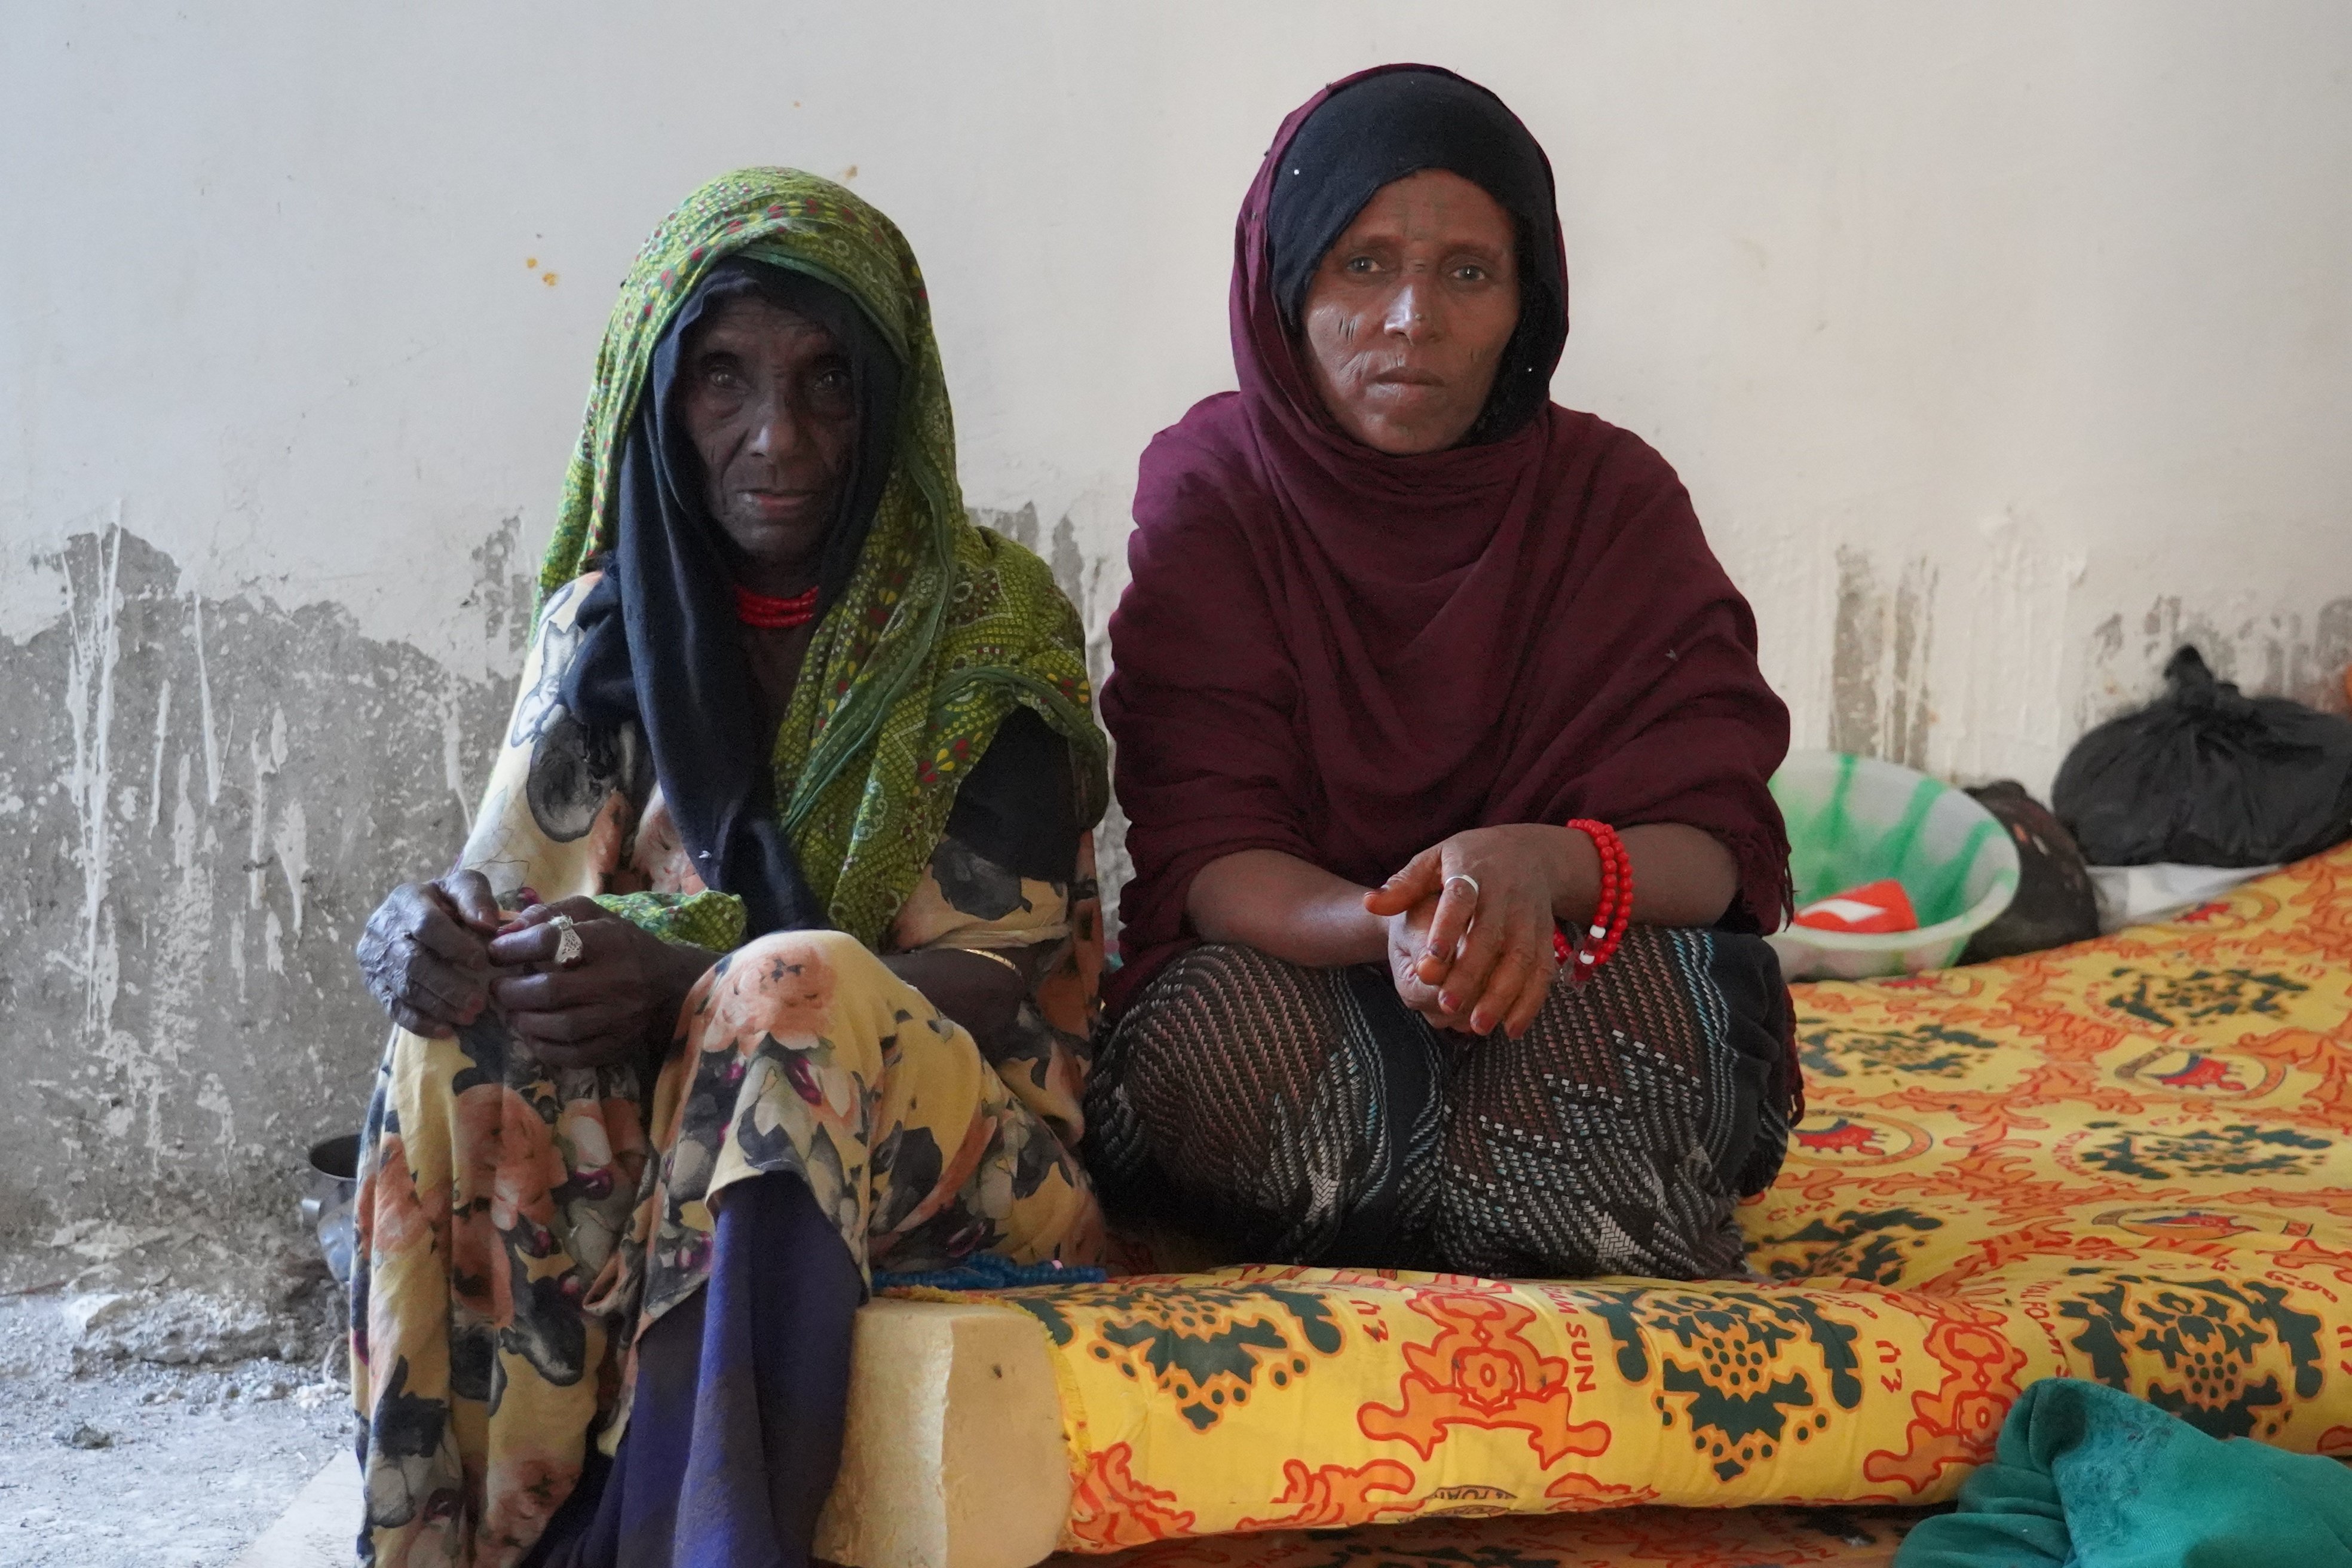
(1401,122)
(659,645)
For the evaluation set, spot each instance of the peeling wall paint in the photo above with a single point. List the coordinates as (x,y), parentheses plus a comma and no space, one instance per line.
(2282,651)
(1990,665)
(1879,702)
(202,798)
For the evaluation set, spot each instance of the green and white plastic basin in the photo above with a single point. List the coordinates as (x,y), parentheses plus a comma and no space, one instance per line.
(1853,820)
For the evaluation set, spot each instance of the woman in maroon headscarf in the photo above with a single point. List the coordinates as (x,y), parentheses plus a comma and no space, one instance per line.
(1396,620)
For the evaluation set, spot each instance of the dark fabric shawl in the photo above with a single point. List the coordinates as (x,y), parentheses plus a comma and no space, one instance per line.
(1347,656)
(660,647)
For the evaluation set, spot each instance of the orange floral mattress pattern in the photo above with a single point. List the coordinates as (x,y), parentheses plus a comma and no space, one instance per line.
(2125,1160)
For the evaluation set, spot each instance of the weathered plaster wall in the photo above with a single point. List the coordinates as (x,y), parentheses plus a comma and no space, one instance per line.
(202,799)
(2001,345)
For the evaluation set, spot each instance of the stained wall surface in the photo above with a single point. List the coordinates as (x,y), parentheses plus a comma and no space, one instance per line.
(2002,346)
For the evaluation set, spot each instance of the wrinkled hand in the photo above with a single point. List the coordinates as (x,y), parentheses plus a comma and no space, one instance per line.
(618,1001)
(1487,950)
(426,952)
(1408,940)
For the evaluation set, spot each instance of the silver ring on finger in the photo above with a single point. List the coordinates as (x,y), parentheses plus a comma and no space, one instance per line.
(1465,878)
(567,945)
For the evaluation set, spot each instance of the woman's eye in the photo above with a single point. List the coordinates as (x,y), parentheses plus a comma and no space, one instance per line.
(1361,264)
(830,392)
(1471,272)
(721,375)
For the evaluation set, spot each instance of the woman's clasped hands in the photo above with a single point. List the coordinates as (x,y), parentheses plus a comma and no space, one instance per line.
(437,954)
(1470,923)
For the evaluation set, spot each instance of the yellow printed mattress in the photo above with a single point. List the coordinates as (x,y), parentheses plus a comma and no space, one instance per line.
(2130,1160)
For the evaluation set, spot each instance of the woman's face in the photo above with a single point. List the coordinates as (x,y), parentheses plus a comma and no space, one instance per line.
(1408,312)
(766,398)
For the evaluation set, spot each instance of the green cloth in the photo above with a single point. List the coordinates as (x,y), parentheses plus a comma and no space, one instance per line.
(2086,1474)
(944,629)
(713,922)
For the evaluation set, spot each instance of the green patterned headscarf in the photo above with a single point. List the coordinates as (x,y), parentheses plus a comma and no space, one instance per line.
(943,630)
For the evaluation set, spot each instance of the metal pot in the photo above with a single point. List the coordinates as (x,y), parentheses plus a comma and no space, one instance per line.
(329,1187)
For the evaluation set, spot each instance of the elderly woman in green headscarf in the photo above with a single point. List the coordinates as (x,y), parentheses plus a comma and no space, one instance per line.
(772,955)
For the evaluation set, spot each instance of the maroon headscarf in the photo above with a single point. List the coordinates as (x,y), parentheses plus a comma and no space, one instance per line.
(1347,656)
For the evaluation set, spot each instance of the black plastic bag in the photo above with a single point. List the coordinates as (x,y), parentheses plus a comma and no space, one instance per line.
(2056,902)
(2207,776)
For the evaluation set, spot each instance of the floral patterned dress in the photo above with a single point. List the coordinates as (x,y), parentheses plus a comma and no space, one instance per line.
(519,1228)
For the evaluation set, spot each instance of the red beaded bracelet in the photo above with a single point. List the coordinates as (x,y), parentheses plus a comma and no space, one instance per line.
(1612,910)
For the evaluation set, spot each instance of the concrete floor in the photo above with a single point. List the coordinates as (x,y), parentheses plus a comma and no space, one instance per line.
(110,1458)
(315,1530)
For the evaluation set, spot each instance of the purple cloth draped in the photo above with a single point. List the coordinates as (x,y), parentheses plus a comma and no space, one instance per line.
(1347,656)
(735,1431)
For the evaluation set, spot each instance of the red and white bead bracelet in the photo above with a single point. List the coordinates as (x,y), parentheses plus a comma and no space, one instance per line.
(1612,912)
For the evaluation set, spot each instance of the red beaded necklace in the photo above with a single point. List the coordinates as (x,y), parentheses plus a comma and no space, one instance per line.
(771,613)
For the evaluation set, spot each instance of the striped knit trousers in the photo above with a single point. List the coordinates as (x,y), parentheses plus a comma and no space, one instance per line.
(1301,1115)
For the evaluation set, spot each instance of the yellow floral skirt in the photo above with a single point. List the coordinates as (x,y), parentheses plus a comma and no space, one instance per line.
(519,1228)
